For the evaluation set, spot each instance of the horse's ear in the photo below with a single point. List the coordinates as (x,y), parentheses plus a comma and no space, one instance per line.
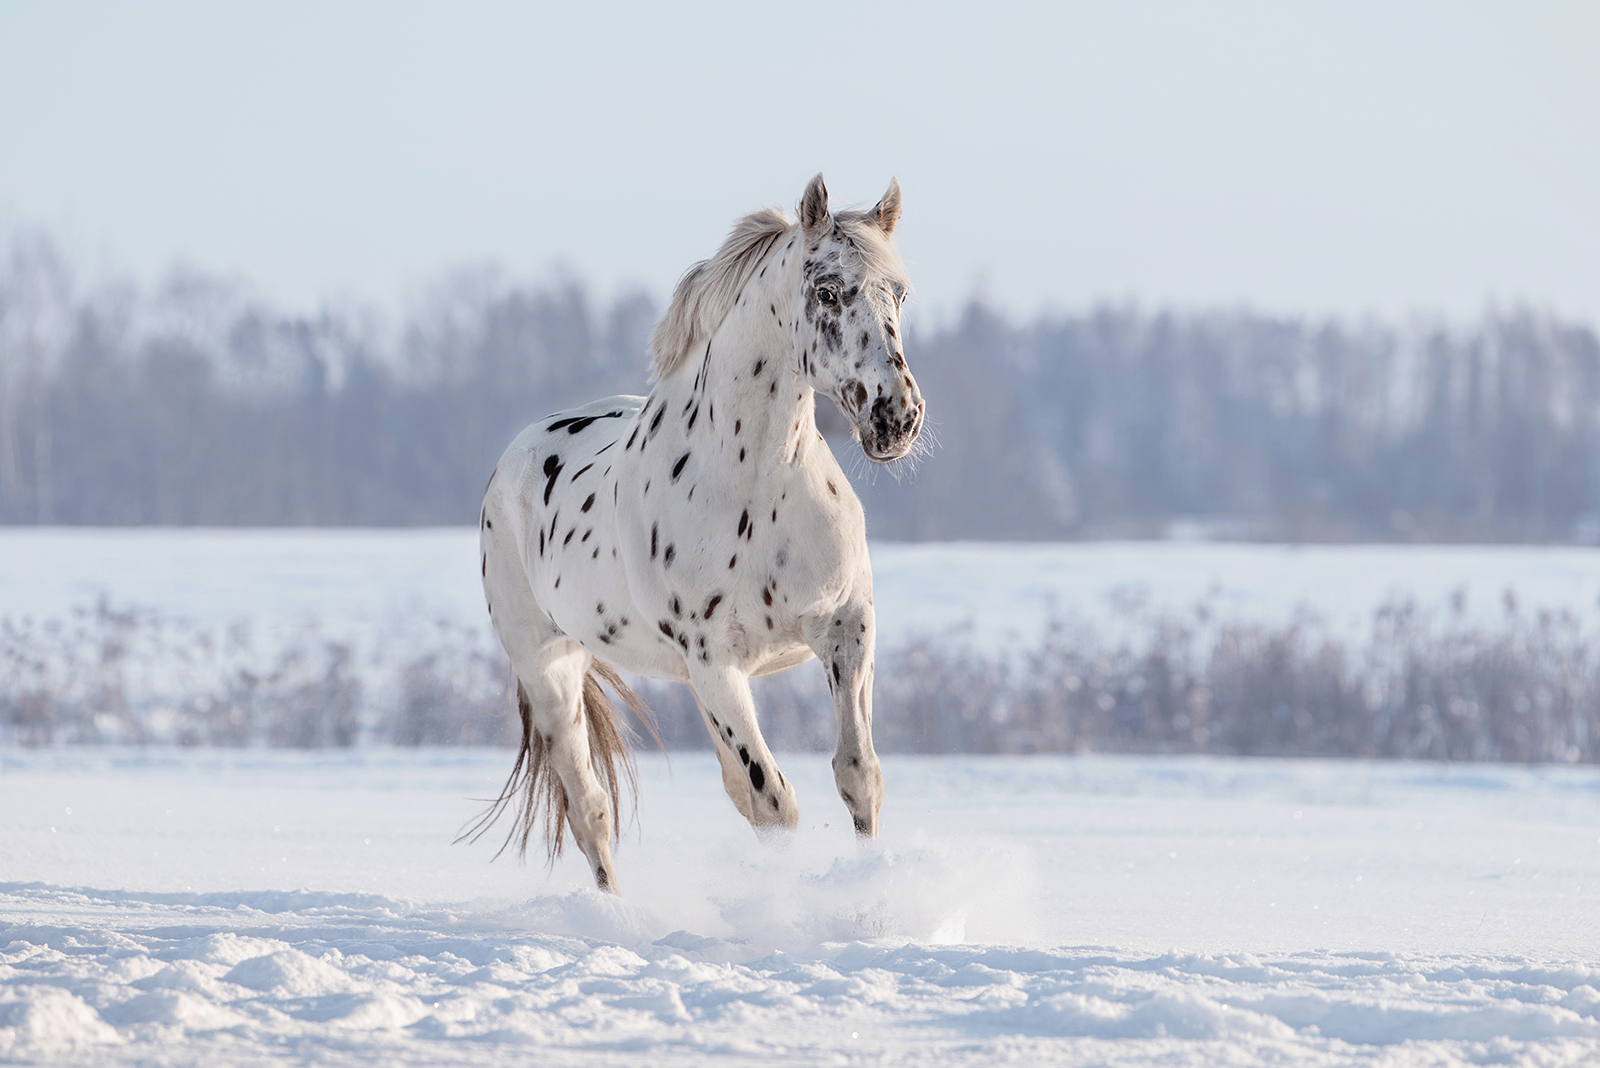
(814,206)
(887,211)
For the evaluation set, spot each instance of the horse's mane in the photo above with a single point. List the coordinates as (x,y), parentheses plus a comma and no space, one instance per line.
(707,291)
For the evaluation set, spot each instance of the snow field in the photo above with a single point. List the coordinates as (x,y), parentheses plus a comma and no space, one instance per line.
(226,907)
(248,907)
(355,583)
(321,637)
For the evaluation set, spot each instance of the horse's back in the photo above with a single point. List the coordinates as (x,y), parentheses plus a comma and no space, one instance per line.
(555,490)
(567,434)
(567,431)
(552,455)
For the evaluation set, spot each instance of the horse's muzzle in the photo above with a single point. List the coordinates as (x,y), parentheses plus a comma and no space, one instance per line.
(891,428)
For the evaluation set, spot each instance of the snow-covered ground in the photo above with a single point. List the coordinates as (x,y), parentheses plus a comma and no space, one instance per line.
(211,907)
(227,907)
(356,583)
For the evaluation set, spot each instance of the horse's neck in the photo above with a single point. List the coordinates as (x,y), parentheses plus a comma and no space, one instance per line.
(752,373)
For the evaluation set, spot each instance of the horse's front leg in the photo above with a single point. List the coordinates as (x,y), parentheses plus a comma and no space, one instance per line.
(749,772)
(844,641)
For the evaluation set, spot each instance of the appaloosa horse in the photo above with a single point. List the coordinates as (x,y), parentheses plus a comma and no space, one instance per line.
(705,533)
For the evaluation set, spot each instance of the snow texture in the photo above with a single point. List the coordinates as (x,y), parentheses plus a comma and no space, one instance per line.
(182,907)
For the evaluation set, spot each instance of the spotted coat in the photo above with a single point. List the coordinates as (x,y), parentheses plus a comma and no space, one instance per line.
(706,532)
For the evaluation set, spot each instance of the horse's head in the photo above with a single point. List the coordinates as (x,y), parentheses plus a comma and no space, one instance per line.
(849,343)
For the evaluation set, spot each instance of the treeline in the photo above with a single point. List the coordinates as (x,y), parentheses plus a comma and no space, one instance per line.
(197,405)
(1126,423)
(1422,687)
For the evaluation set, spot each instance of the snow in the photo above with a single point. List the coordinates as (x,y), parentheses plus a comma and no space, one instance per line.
(211,907)
(359,583)
(1007,591)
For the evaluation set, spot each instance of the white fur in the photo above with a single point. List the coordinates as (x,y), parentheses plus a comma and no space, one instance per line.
(753,556)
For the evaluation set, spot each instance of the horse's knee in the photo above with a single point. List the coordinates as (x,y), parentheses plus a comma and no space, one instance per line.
(844,641)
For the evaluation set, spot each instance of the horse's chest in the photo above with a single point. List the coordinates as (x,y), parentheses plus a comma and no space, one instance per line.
(725,575)
(698,547)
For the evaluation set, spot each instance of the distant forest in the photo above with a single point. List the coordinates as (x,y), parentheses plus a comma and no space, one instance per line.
(197,405)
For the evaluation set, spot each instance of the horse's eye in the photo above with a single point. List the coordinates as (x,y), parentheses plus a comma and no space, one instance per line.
(827,295)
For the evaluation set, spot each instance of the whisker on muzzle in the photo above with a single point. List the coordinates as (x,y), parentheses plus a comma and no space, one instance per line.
(901,468)
(905,467)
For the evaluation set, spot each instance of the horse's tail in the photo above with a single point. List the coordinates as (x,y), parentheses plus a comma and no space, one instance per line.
(534,785)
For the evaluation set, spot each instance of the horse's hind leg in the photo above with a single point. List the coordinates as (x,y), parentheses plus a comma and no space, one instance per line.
(844,641)
(750,774)
(550,669)
(553,679)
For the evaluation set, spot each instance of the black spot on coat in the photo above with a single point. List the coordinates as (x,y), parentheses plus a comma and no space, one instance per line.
(578,423)
(552,471)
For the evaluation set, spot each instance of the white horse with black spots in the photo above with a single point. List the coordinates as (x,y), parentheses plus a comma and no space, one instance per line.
(706,533)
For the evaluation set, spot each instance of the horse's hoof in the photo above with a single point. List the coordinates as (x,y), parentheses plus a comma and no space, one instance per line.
(606,883)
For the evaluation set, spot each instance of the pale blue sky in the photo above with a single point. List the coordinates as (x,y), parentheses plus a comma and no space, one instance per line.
(1346,157)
